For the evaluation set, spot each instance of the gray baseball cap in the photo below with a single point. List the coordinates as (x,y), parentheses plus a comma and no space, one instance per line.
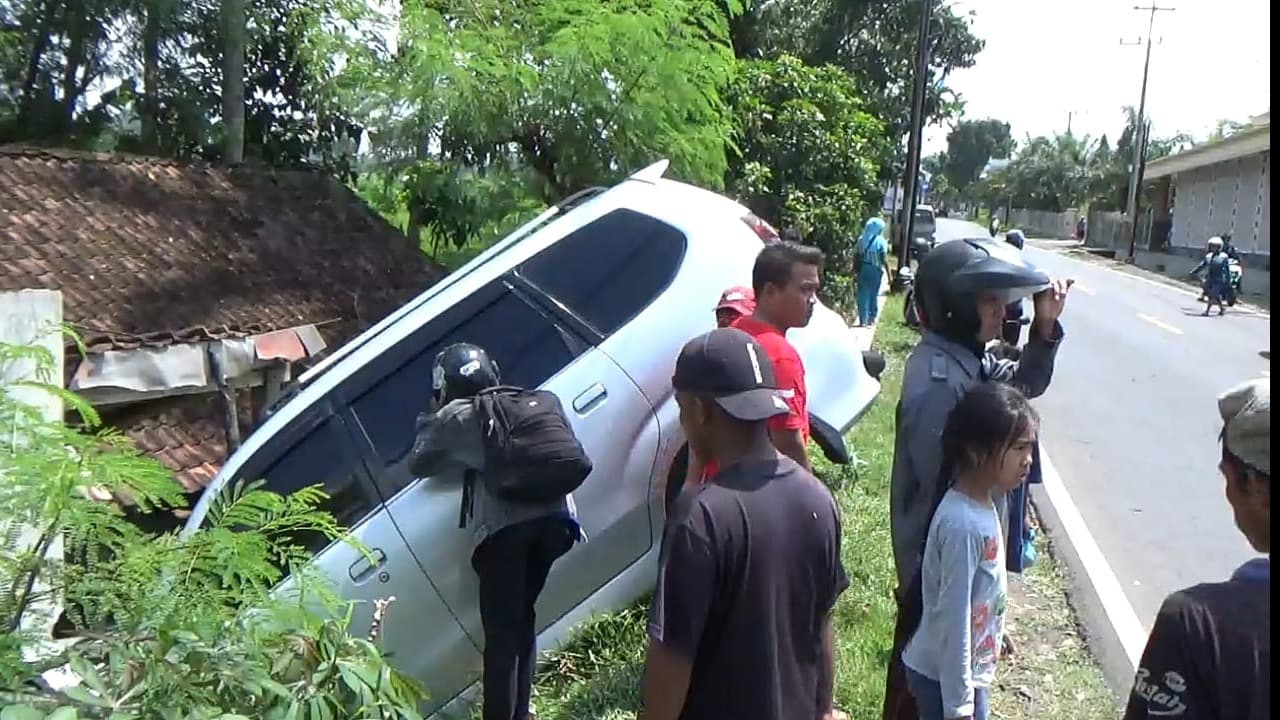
(1246,417)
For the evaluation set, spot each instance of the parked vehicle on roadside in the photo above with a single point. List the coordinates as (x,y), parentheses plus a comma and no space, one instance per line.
(926,228)
(591,300)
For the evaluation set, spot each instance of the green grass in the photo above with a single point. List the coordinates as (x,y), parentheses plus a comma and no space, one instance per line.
(597,675)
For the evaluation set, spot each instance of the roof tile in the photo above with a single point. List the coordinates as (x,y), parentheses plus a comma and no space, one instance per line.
(148,251)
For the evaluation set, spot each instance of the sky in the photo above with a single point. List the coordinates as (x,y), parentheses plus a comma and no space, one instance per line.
(1046,59)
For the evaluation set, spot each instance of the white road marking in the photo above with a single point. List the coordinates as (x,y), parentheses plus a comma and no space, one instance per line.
(1080,287)
(1159,323)
(1133,636)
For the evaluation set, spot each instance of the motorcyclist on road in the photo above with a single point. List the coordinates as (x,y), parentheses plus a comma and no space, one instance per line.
(963,288)
(1233,255)
(1216,266)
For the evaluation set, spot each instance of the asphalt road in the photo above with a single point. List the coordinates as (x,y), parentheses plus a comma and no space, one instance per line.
(1131,425)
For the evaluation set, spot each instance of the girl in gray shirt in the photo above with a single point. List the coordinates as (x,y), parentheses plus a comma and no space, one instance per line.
(951,658)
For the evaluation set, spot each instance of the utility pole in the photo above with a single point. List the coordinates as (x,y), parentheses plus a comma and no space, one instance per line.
(917,130)
(1071,114)
(1139,139)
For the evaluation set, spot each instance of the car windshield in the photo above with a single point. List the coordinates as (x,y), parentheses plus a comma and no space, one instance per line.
(924,216)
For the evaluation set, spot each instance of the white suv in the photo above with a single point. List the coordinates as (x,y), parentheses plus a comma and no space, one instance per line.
(592,300)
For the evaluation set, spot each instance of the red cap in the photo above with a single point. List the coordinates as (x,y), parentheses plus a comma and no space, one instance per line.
(739,298)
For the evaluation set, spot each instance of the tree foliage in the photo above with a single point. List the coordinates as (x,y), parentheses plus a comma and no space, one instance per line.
(809,151)
(1066,170)
(482,100)
(146,76)
(167,627)
(970,144)
(875,42)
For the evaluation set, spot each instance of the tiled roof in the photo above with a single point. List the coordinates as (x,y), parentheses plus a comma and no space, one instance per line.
(149,251)
(186,434)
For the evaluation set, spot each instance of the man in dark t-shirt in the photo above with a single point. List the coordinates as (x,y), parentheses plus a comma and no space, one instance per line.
(1209,654)
(750,567)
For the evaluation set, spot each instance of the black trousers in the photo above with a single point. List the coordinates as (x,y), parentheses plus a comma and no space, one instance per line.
(899,703)
(513,564)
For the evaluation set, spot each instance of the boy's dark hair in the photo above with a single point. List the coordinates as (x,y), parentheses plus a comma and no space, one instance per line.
(988,419)
(774,263)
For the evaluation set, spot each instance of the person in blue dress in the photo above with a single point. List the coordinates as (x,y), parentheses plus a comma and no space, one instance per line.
(871,256)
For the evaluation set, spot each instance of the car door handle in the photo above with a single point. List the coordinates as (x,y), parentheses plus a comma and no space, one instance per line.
(366,565)
(590,398)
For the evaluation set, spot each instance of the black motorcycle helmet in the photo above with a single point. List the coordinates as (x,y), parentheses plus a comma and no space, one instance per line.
(1015,238)
(462,370)
(952,275)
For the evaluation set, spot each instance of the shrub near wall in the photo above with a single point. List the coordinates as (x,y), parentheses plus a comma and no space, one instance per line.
(164,628)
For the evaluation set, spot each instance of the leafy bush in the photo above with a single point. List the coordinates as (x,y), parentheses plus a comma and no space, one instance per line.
(167,627)
(809,153)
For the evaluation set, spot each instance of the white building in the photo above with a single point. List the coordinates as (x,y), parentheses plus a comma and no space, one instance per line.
(1216,188)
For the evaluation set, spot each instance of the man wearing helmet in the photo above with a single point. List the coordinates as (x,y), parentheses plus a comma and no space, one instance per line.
(516,543)
(963,288)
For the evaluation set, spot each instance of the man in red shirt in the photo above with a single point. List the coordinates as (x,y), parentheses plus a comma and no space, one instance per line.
(785,280)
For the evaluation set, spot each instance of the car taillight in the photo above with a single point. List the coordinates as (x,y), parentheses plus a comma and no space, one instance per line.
(762,229)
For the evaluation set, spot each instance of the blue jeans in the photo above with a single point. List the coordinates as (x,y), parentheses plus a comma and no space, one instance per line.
(928,695)
(869,280)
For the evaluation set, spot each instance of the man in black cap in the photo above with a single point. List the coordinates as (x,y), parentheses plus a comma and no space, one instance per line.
(750,568)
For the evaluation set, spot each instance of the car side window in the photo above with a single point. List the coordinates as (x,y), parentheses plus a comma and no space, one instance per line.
(609,270)
(528,347)
(321,457)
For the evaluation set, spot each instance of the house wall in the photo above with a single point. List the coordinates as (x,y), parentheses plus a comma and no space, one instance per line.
(1228,197)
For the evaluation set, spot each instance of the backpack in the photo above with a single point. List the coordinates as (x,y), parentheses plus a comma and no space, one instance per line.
(531,453)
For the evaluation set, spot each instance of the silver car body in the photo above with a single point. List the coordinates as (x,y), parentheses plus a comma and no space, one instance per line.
(343,427)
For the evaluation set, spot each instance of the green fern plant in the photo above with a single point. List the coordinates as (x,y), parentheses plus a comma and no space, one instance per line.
(167,627)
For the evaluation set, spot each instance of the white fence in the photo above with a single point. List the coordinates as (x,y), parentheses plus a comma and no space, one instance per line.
(1041,223)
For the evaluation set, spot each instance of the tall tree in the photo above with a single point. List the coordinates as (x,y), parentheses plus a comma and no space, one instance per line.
(554,95)
(970,145)
(875,42)
(234,30)
(809,149)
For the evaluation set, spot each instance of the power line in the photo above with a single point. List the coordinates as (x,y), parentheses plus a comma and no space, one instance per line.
(1140,129)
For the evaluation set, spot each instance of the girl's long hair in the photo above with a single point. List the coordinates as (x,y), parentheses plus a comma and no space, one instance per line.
(989,418)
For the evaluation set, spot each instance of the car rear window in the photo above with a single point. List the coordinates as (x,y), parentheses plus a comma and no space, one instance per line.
(609,270)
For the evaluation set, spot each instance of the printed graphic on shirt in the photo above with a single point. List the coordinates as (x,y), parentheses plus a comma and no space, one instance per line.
(987,618)
(1164,697)
(990,549)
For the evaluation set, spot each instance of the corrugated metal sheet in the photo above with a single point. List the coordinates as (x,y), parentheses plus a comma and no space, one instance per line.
(1230,197)
(1264,207)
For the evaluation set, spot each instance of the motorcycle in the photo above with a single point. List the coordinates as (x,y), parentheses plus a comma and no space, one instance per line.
(905,281)
(1237,276)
